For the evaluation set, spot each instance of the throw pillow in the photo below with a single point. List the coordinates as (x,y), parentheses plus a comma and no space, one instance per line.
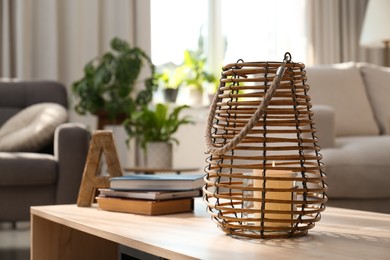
(377,80)
(341,87)
(32,128)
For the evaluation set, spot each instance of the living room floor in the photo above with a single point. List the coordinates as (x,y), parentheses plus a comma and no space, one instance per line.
(15,242)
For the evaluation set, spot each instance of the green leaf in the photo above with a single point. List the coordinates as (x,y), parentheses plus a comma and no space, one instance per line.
(108,81)
(155,124)
(119,45)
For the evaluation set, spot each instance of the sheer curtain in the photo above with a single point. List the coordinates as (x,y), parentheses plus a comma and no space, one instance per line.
(53,39)
(66,34)
(334,28)
(7,38)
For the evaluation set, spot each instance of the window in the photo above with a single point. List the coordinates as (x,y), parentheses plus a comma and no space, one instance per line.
(176,25)
(263,30)
(252,29)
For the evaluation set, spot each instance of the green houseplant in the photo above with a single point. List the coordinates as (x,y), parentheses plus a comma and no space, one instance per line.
(194,67)
(194,73)
(156,125)
(170,79)
(190,74)
(107,87)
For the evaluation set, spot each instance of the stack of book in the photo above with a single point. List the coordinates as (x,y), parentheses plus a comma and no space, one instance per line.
(151,194)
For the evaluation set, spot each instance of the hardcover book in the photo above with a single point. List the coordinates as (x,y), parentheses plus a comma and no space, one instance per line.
(146,207)
(158,182)
(149,195)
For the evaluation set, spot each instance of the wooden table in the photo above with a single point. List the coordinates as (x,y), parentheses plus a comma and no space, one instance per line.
(70,232)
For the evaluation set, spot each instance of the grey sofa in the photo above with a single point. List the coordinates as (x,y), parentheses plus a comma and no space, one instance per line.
(352,115)
(51,175)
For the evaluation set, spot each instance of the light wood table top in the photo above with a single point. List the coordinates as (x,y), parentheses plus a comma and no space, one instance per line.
(341,234)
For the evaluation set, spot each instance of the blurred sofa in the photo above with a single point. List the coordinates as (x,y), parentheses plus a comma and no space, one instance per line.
(351,104)
(42,155)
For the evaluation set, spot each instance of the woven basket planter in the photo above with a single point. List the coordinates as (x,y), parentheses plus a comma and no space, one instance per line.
(264,175)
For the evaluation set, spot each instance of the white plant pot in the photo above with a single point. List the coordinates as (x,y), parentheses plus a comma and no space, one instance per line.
(195,97)
(191,96)
(158,155)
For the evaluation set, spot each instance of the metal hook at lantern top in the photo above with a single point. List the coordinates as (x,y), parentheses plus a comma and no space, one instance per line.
(239,60)
(287,57)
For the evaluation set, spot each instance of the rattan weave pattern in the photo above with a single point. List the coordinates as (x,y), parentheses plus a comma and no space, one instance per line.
(260,117)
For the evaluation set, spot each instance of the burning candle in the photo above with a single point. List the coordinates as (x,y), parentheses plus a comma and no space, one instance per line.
(274,195)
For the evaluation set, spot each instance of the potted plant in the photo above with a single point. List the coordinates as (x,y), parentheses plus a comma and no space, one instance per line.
(195,74)
(153,130)
(106,89)
(194,67)
(170,79)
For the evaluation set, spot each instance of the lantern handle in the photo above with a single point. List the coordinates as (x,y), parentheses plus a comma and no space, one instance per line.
(211,149)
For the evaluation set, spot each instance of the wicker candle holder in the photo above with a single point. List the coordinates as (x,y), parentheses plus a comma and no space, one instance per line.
(273,196)
(264,175)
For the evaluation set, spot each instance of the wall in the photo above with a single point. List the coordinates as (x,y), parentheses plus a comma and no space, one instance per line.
(191,150)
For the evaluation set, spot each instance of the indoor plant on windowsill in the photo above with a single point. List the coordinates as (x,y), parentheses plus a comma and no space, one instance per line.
(170,81)
(153,130)
(106,89)
(195,75)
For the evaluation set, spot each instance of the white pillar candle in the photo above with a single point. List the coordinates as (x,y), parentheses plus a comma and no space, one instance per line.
(276,195)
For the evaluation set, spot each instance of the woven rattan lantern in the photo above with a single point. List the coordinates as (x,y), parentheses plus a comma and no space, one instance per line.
(264,175)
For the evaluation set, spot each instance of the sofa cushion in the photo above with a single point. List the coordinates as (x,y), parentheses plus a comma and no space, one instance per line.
(377,80)
(27,169)
(32,128)
(358,167)
(19,94)
(324,118)
(341,86)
